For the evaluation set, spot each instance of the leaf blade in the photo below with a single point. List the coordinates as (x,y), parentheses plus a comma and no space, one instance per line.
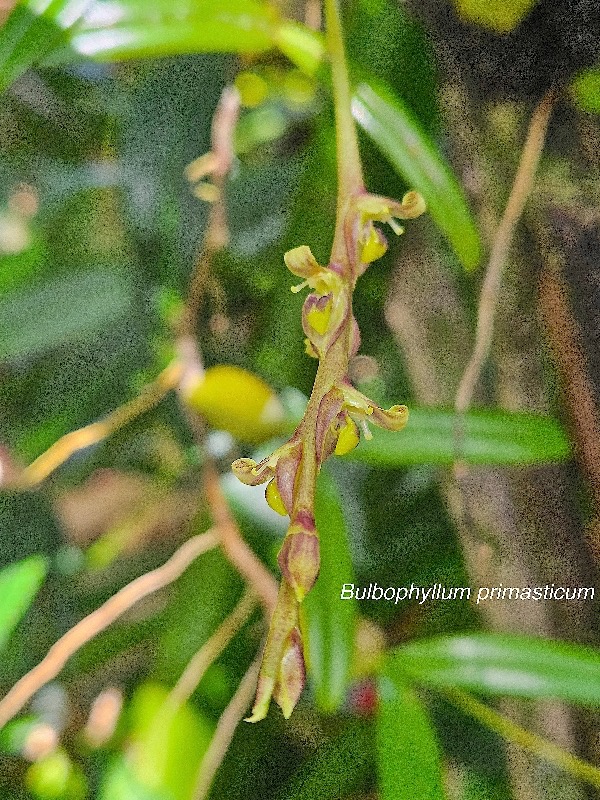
(488,437)
(399,136)
(408,755)
(330,620)
(502,664)
(19,584)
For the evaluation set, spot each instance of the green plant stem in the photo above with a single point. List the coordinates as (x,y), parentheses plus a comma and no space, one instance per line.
(536,744)
(334,364)
(350,178)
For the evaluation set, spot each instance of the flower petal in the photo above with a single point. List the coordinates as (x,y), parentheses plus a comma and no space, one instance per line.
(249,472)
(301,262)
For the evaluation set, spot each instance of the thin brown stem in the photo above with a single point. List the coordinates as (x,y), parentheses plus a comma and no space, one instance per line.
(234,546)
(89,627)
(565,340)
(488,300)
(541,747)
(209,652)
(67,445)
(216,235)
(228,722)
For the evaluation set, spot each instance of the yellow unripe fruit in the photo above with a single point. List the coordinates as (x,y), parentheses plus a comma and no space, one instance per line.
(237,401)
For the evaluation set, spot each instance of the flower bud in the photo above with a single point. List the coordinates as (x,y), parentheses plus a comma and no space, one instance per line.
(299,555)
(292,674)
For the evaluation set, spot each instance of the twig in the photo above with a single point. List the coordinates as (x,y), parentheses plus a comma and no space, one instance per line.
(209,652)
(565,339)
(541,747)
(234,546)
(69,444)
(217,163)
(521,188)
(228,722)
(85,630)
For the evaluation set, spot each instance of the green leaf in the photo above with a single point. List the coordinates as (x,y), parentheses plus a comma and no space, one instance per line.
(33,31)
(585,90)
(496,664)
(501,15)
(19,584)
(136,28)
(167,748)
(36,319)
(303,46)
(60,31)
(408,755)
(489,437)
(417,159)
(336,768)
(330,620)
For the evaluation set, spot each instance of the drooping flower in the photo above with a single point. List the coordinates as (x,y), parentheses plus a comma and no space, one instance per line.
(373,208)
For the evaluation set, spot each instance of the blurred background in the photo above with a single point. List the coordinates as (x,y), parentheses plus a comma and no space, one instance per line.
(103,226)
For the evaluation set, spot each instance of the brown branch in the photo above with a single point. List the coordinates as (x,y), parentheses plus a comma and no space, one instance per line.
(488,301)
(234,546)
(217,163)
(209,652)
(69,444)
(90,626)
(228,722)
(566,344)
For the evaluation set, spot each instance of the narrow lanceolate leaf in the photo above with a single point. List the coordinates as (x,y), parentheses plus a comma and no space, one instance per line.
(407,751)
(112,30)
(414,155)
(137,28)
(330,620)
(433,436)
(494,664)
(18,586)
(34,30)
(38,318)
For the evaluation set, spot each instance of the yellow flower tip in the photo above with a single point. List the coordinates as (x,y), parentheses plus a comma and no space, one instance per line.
(300,261)
(273,498)
(373,247)
(207,192)
(264,692)
(348,438)
(374,208)
(201,167)
(309,349)
(319,318)
(398,415)
(413,205)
